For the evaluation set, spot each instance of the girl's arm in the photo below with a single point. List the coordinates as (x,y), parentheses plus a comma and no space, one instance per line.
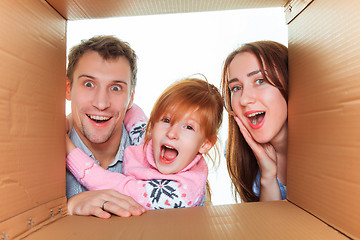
(94,177)
(135,123)
(157,193)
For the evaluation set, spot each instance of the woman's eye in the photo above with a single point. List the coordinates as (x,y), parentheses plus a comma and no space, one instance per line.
(235,89)
(89,84)
(260,81)
(116,88)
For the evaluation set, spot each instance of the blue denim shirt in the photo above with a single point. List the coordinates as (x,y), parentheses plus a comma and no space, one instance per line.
(73,187)
(256,187)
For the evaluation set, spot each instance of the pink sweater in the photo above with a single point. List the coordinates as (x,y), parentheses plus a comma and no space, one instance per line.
(142,181)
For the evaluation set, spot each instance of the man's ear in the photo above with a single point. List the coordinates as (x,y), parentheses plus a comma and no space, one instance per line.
(131,100)
(68,90)
(207,145)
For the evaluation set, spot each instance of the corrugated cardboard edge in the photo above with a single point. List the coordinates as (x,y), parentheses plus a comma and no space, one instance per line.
(33,219)
(294,8)
(280,220)
(80,9)
(324,108)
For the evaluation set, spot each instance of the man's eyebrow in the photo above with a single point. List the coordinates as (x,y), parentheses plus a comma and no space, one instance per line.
(87,76)
(249,75)
(120,81)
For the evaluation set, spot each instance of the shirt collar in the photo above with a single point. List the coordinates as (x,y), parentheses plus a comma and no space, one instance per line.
(124,142)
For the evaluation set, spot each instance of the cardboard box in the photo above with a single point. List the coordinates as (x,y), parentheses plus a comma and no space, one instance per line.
(324,134)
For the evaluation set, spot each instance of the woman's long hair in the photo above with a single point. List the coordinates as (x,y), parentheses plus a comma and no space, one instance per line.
(241,162)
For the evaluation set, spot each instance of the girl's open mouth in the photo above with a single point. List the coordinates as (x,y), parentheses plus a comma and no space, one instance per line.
(167,154)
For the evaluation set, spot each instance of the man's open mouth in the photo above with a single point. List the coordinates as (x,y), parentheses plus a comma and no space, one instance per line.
(98,119)
(256,117)
(168,154)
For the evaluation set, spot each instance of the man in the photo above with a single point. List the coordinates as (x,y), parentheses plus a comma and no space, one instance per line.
(101,78)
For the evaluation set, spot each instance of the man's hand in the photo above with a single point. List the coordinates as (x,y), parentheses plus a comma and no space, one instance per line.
(92,202)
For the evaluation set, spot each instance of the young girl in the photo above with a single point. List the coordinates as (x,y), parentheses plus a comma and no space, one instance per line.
(254,86)
(167,170)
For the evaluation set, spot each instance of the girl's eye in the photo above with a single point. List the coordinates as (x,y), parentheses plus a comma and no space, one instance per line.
(165,120)
(235,88)
(260,81)
(116,88)
(189,127)
(89,84)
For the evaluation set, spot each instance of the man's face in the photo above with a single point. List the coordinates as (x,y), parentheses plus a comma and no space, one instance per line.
(100,95)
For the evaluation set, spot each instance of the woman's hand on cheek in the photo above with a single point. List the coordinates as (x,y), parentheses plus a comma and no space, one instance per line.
(266,158)
(265,153)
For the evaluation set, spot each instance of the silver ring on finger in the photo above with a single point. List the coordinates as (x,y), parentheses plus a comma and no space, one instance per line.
(103,205)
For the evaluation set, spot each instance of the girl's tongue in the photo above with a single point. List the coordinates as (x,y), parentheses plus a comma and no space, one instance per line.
(167,154)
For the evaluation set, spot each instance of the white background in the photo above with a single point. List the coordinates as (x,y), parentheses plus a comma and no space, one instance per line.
(174,46)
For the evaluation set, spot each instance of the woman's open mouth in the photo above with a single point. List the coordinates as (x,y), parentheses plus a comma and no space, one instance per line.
(256,119)
(167,154)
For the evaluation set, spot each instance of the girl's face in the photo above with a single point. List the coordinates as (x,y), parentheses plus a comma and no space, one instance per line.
(258,104)
(175,144)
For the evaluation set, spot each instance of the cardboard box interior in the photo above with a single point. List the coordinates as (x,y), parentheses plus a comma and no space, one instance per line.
(324,137)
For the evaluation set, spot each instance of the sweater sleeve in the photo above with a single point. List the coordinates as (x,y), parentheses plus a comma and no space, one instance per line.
(157,192)
(92,176)
(135,122)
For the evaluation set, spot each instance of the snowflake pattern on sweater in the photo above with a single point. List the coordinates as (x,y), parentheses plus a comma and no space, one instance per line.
(137,133)
(164,194)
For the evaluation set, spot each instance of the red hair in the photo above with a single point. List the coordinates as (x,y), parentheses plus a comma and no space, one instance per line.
(190,95)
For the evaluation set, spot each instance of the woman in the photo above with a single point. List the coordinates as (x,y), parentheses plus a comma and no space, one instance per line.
(255,88)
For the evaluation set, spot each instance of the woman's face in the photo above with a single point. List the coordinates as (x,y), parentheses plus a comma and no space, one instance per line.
(258,104)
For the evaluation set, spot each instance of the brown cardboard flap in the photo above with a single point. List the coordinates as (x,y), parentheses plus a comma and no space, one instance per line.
(294,8)
(324,133)
(270,220)
(33,219)
(76,9)
(32,119)
(324,113)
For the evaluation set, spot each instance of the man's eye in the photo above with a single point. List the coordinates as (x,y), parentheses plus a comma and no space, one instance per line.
(260,81)
(89,84)
(115,88)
